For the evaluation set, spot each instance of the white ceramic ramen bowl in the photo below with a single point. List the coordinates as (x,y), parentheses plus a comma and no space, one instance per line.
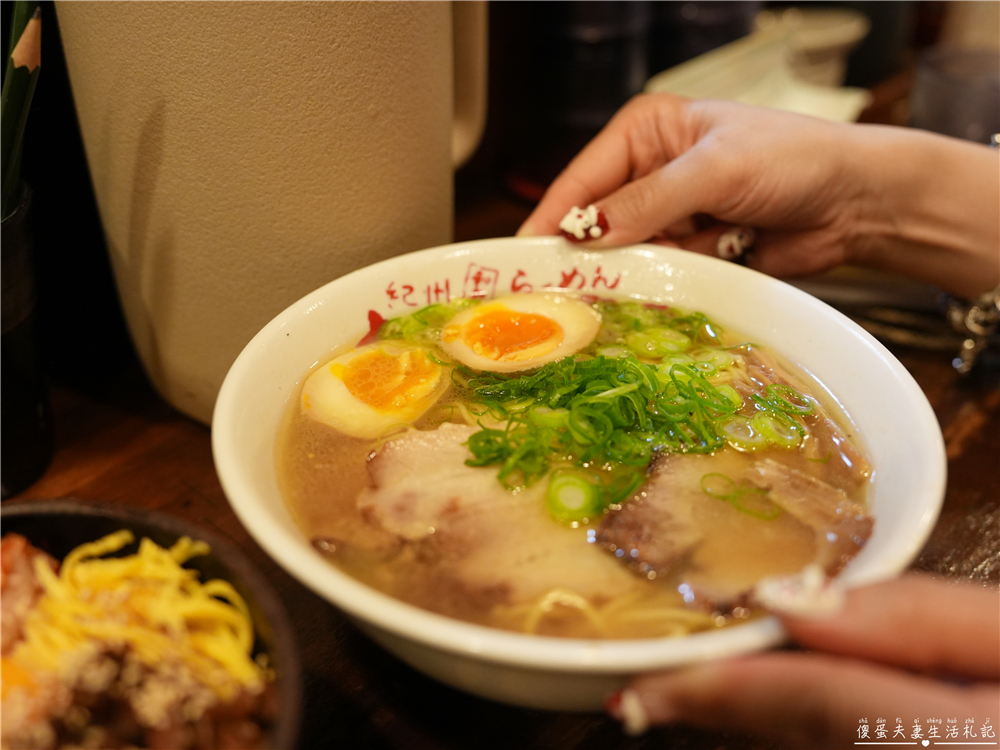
(893,420)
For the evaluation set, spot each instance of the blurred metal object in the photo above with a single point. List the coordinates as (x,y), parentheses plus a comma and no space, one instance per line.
(907,313)
(904,312)
(977,321)
(911,328)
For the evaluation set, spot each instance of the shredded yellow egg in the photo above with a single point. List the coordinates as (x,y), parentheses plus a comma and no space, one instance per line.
(146,604)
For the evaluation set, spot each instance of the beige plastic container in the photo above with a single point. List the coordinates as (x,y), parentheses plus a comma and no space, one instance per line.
(243,154)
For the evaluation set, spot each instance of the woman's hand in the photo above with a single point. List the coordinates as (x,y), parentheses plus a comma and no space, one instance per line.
(907,650)
(817,193)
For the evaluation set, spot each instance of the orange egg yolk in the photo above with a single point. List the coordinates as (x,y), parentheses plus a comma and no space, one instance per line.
(389,383)
(502,334)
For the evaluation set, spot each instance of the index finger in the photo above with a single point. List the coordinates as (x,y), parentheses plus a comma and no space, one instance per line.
(808,700)
(916,622)
(625,149)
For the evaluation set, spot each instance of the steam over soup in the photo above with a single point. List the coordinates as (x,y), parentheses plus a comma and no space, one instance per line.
(571,466)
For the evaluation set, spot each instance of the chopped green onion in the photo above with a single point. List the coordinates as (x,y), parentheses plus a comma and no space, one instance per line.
(723,487)
(613,351)
(589,426)
(607,411)
(573,498)
(705,368)
(730,393)
(620,318)
(425,325)
(543,416)
(518,405)
(614,411)
(777,428)
(757,504)
(620,488)
(698,327)
(718,485)
(611,393)
(657,343)
(718,357)
(740,433)
(677,359)
(787,399)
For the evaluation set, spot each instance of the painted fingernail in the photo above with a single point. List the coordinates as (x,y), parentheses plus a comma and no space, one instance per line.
(583,224)
(807,594)
(627,708)
(734,242)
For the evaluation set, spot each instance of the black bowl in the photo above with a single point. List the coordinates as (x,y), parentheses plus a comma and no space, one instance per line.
(58,526)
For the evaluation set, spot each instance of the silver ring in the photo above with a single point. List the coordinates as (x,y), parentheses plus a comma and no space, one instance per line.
(734,242)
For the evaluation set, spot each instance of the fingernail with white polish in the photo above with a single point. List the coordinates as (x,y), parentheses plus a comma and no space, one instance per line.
(734,242)
(584,224)
(807,594)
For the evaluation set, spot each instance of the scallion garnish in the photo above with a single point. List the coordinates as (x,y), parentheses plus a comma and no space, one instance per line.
(573,497)
(777,428)
(744,497)
(784,398)
(741,432)
(604,414)
(644,386)
(424,326)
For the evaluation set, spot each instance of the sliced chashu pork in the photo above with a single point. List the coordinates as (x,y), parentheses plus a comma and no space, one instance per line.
(714,552)
(842,526)
(475,539)
(835,458)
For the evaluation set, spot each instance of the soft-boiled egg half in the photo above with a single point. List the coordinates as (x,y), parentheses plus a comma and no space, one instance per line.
(370,390)
(520,332)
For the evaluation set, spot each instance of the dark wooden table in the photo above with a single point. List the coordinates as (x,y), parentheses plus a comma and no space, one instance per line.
(132,448)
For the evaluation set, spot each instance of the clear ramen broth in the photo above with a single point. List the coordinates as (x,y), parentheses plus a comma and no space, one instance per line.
(571,466)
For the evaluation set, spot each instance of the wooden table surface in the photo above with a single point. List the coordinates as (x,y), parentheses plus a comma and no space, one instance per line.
(132,448)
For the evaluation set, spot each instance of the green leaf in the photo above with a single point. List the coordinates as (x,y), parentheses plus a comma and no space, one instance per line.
(15,103)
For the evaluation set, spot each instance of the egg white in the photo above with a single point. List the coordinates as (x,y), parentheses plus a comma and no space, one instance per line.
(578,320)
(326,398)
